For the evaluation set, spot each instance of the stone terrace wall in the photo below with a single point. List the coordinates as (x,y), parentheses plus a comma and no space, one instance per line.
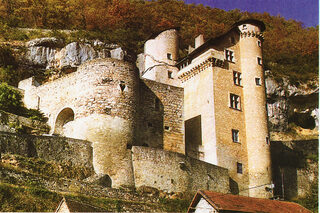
(59,149)
(174,172)
(162,127)
(8,121)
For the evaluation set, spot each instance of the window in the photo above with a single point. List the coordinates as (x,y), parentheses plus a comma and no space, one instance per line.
(235,135)
(259,43)
(229,55)
(235,101)
(169,56)
(239,168)
(170,74)
(258,81)
(267,140)
(237,78)
(244,27)
(122,85)
(259,60)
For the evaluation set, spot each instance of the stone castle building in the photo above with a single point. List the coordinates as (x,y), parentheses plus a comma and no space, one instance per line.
(197,123)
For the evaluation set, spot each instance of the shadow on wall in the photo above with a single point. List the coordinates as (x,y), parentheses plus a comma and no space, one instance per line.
(234,187)
(286,162)
(151,115)
(66,115)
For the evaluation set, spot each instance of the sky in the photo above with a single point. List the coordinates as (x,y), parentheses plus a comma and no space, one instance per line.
(305,11)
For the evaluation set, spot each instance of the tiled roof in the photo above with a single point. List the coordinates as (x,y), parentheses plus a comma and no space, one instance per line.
(229,202)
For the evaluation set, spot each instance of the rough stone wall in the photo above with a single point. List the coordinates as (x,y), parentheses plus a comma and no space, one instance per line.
(174,172)
(101,98)
(295,167)
(10,122)
(60,149)
(93,88)
(161,126)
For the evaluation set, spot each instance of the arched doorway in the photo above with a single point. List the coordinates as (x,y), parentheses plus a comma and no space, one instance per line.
(66,115)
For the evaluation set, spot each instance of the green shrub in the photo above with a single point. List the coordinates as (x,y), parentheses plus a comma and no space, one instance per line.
(10,99)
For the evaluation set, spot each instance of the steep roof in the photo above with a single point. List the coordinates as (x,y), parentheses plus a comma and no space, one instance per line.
(216,40)
(229,202)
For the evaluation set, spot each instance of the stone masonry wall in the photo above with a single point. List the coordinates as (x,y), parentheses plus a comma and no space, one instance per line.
(294,167)
(174,172)
(104,86)
(59,149)
(160,116)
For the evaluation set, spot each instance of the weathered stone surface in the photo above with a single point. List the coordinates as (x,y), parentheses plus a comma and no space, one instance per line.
(10,123)
(118,53)
(180,175)
(295,167)
(74,54)
(45,42)
(60,149)
(289,103)
(49,53)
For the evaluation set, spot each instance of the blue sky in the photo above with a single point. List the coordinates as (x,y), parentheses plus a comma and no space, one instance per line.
(305,11)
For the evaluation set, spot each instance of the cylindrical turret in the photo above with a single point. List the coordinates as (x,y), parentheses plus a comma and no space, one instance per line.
(259,161)
(160,57)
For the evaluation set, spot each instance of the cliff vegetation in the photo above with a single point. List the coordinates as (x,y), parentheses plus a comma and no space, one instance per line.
(290,49)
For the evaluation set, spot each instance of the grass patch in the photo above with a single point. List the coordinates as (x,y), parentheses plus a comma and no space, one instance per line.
(38,166)
(14,198)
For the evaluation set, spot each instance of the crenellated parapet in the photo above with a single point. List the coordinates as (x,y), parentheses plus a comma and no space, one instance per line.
(247,34)
(209,62)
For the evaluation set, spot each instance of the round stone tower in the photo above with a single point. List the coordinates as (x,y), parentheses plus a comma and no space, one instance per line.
(160,56)
(254,102)
(104,96)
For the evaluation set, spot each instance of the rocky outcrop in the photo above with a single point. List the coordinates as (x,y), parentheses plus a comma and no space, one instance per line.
(288,103)
(51,53)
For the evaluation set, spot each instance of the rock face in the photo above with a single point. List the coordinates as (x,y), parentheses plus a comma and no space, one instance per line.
(292,103)
(50,53)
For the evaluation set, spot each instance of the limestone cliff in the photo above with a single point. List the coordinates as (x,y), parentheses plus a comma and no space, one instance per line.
(292,108)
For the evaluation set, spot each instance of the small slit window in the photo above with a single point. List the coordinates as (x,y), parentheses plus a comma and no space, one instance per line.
(259,60)
(237,78)
(170,74)
(258,81)
(259,43)
(239,168)
(169,56)
(122,85)
(267,141)
(244,27)
(235,135)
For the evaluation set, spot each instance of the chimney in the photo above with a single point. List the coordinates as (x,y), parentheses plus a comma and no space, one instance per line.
(198,41)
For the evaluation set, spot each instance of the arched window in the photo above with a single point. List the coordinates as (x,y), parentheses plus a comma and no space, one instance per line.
(66,115)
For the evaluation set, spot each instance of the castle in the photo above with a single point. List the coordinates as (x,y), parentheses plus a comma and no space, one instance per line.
(198,123)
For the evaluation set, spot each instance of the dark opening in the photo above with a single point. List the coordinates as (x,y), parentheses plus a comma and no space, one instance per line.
(193,136)
(239,168)
(157,104)
(105,181)
(122,85)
